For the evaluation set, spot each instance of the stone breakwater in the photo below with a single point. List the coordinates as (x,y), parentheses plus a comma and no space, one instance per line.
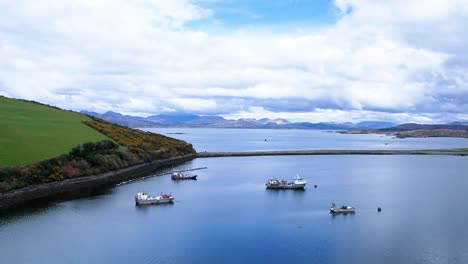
(331,152)
(14,198)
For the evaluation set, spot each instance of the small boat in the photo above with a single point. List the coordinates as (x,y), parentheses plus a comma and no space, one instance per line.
(180,176)
(345,209)
(297,183)
(143,198)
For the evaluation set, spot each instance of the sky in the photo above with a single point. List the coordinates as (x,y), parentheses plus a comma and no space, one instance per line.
(316,61)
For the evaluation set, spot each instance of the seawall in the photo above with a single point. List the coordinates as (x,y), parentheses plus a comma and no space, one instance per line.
(330,152)
(14,198)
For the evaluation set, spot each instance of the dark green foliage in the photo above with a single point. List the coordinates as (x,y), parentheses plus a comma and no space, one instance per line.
(82,160)
(89,147)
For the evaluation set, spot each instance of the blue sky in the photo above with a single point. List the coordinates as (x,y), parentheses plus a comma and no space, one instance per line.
(335,61)
(279,14)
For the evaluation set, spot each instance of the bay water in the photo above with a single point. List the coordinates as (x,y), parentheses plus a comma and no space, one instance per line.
(227,215)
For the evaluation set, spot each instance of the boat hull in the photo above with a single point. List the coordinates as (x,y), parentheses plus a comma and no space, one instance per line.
(342,211)
(285,186)
(154,201)
(175,178)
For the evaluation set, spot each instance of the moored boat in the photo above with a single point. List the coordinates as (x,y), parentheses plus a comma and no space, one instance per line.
(345,209)
(143,198)
(297,183)
(181,176)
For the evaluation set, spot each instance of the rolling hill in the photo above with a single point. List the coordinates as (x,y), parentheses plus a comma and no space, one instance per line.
(31,132)
(43,144)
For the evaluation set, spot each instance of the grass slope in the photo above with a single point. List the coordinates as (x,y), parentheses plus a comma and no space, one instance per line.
(30,132)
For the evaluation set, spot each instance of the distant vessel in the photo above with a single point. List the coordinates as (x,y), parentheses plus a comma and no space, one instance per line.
(180,176)
(143,198)
(345,209)
(297,183)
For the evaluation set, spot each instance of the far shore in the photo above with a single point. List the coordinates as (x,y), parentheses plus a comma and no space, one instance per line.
(413,133)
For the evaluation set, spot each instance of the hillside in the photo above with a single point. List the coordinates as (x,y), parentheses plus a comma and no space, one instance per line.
(412,127)
(67,145)
(30,131)
(432,133)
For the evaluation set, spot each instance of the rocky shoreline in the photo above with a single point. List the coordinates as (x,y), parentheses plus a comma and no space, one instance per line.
(18,197)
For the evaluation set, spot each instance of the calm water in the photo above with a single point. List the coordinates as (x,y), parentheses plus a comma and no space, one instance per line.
(227,216)
(206,139)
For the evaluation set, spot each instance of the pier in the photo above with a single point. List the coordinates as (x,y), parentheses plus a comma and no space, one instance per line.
(185,170)
(451,152)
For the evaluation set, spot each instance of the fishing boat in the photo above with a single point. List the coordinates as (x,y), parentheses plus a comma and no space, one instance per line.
(297,183)
(143,198)
(345,209)
(180,176)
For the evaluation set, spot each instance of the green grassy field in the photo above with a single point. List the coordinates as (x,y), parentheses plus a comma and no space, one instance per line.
(32,132)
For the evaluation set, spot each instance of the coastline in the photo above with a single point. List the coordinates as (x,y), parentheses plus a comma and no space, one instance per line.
(18,197)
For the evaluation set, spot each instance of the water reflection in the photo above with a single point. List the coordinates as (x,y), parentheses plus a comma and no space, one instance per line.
(343,215)
(281,193)
(185,181)
(151,208)
(302,190)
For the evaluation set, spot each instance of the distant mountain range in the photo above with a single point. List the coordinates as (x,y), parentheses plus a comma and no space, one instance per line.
(190,120)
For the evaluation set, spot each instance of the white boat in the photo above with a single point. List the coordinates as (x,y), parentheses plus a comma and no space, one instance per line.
(181,176)
(345,209)
(297,183)
(143,198)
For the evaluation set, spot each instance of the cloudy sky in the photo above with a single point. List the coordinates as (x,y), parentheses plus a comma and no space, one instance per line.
(343,60)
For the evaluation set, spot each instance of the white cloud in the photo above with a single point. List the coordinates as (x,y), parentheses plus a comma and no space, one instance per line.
(325,115)
(397,60)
